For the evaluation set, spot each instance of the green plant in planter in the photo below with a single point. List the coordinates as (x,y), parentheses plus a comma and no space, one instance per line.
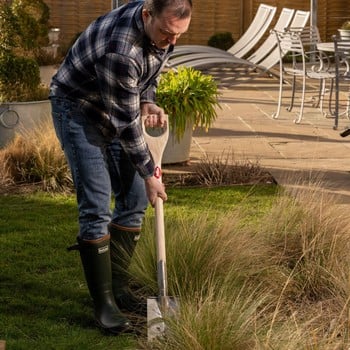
(189,97)
(23,29)
(346,25)
(344,30)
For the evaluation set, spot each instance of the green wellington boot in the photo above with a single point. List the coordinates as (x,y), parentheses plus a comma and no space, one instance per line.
(95,257)
(123,244)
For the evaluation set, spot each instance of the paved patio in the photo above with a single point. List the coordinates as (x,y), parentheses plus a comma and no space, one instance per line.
(292,153)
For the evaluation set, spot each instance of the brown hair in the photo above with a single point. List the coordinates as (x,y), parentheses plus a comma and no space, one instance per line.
(180,8)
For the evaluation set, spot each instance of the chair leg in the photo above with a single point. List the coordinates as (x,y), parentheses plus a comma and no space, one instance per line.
(298,120)
(348,105)
(336,113)
(331,112)
(291,105)
(336,108)
(322,92)
(276,114)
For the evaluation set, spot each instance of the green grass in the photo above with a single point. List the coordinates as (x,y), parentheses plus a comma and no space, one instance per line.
(253,267)
(217,200)
(44,302)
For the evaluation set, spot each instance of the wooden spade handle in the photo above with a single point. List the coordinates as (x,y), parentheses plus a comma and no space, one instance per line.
(156,145)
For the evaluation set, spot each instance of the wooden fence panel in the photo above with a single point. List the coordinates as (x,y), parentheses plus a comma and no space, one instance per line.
(209,17)
(73,16)
(330,15)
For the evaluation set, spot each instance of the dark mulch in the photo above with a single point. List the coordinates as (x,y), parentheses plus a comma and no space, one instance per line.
(183,175)
(194,175)
(20,188)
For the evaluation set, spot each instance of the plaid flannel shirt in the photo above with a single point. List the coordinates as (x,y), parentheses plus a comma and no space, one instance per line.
(111,69)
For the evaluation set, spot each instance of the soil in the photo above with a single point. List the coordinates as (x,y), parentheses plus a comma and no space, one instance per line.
(181,175)
(188,175)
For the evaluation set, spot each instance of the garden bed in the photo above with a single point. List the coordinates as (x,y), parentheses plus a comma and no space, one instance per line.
(208,174)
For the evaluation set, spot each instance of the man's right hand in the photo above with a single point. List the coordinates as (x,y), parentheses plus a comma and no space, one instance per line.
(154,189)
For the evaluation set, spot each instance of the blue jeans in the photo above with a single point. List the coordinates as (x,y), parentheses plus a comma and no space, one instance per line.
(98,166)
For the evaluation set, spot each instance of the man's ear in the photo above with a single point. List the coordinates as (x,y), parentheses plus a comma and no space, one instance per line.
(145,14)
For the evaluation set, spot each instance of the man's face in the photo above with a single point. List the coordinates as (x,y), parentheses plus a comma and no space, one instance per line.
(165,29)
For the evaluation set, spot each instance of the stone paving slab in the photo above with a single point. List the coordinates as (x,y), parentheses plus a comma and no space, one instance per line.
(291,152)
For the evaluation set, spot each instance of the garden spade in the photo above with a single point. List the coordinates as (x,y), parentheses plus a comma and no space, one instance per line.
(161,306)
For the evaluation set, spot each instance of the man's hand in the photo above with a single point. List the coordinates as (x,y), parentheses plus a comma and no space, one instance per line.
(155,119)
(155,115)
(154,189)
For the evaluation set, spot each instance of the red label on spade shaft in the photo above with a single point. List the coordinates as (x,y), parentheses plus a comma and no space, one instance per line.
(157,172)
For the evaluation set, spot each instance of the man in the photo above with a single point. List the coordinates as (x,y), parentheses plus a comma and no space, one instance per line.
(106,82)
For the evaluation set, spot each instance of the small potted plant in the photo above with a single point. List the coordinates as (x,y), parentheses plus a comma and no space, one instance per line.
(344,30)
(190,98)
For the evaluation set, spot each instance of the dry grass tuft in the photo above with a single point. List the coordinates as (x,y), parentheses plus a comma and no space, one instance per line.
(221,170)
(226,169)
(281,282)
(35,157)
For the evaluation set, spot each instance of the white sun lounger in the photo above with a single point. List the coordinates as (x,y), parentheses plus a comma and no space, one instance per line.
(260,61)
(201,52)
(245,43)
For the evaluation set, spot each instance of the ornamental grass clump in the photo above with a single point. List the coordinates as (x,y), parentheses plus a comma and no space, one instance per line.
(35,157)
(270,271)
(346,25)
(309,241)
(208,248)
(189,97)
(277,282)
(225,169)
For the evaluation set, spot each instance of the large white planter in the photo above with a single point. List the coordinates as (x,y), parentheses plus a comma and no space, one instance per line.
(17,117)
(344,34)
(178,152)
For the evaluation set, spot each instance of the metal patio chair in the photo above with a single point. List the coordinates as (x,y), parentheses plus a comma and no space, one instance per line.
(300,20)
(306,62)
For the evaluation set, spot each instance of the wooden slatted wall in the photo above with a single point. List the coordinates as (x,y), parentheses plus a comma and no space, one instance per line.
(330,15)
(72,16)
(209,17)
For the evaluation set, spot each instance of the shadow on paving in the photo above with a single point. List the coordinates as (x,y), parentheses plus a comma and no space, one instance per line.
(335,183)
(219,132)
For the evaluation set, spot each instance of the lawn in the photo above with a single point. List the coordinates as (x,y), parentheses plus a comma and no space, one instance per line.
(44,299)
